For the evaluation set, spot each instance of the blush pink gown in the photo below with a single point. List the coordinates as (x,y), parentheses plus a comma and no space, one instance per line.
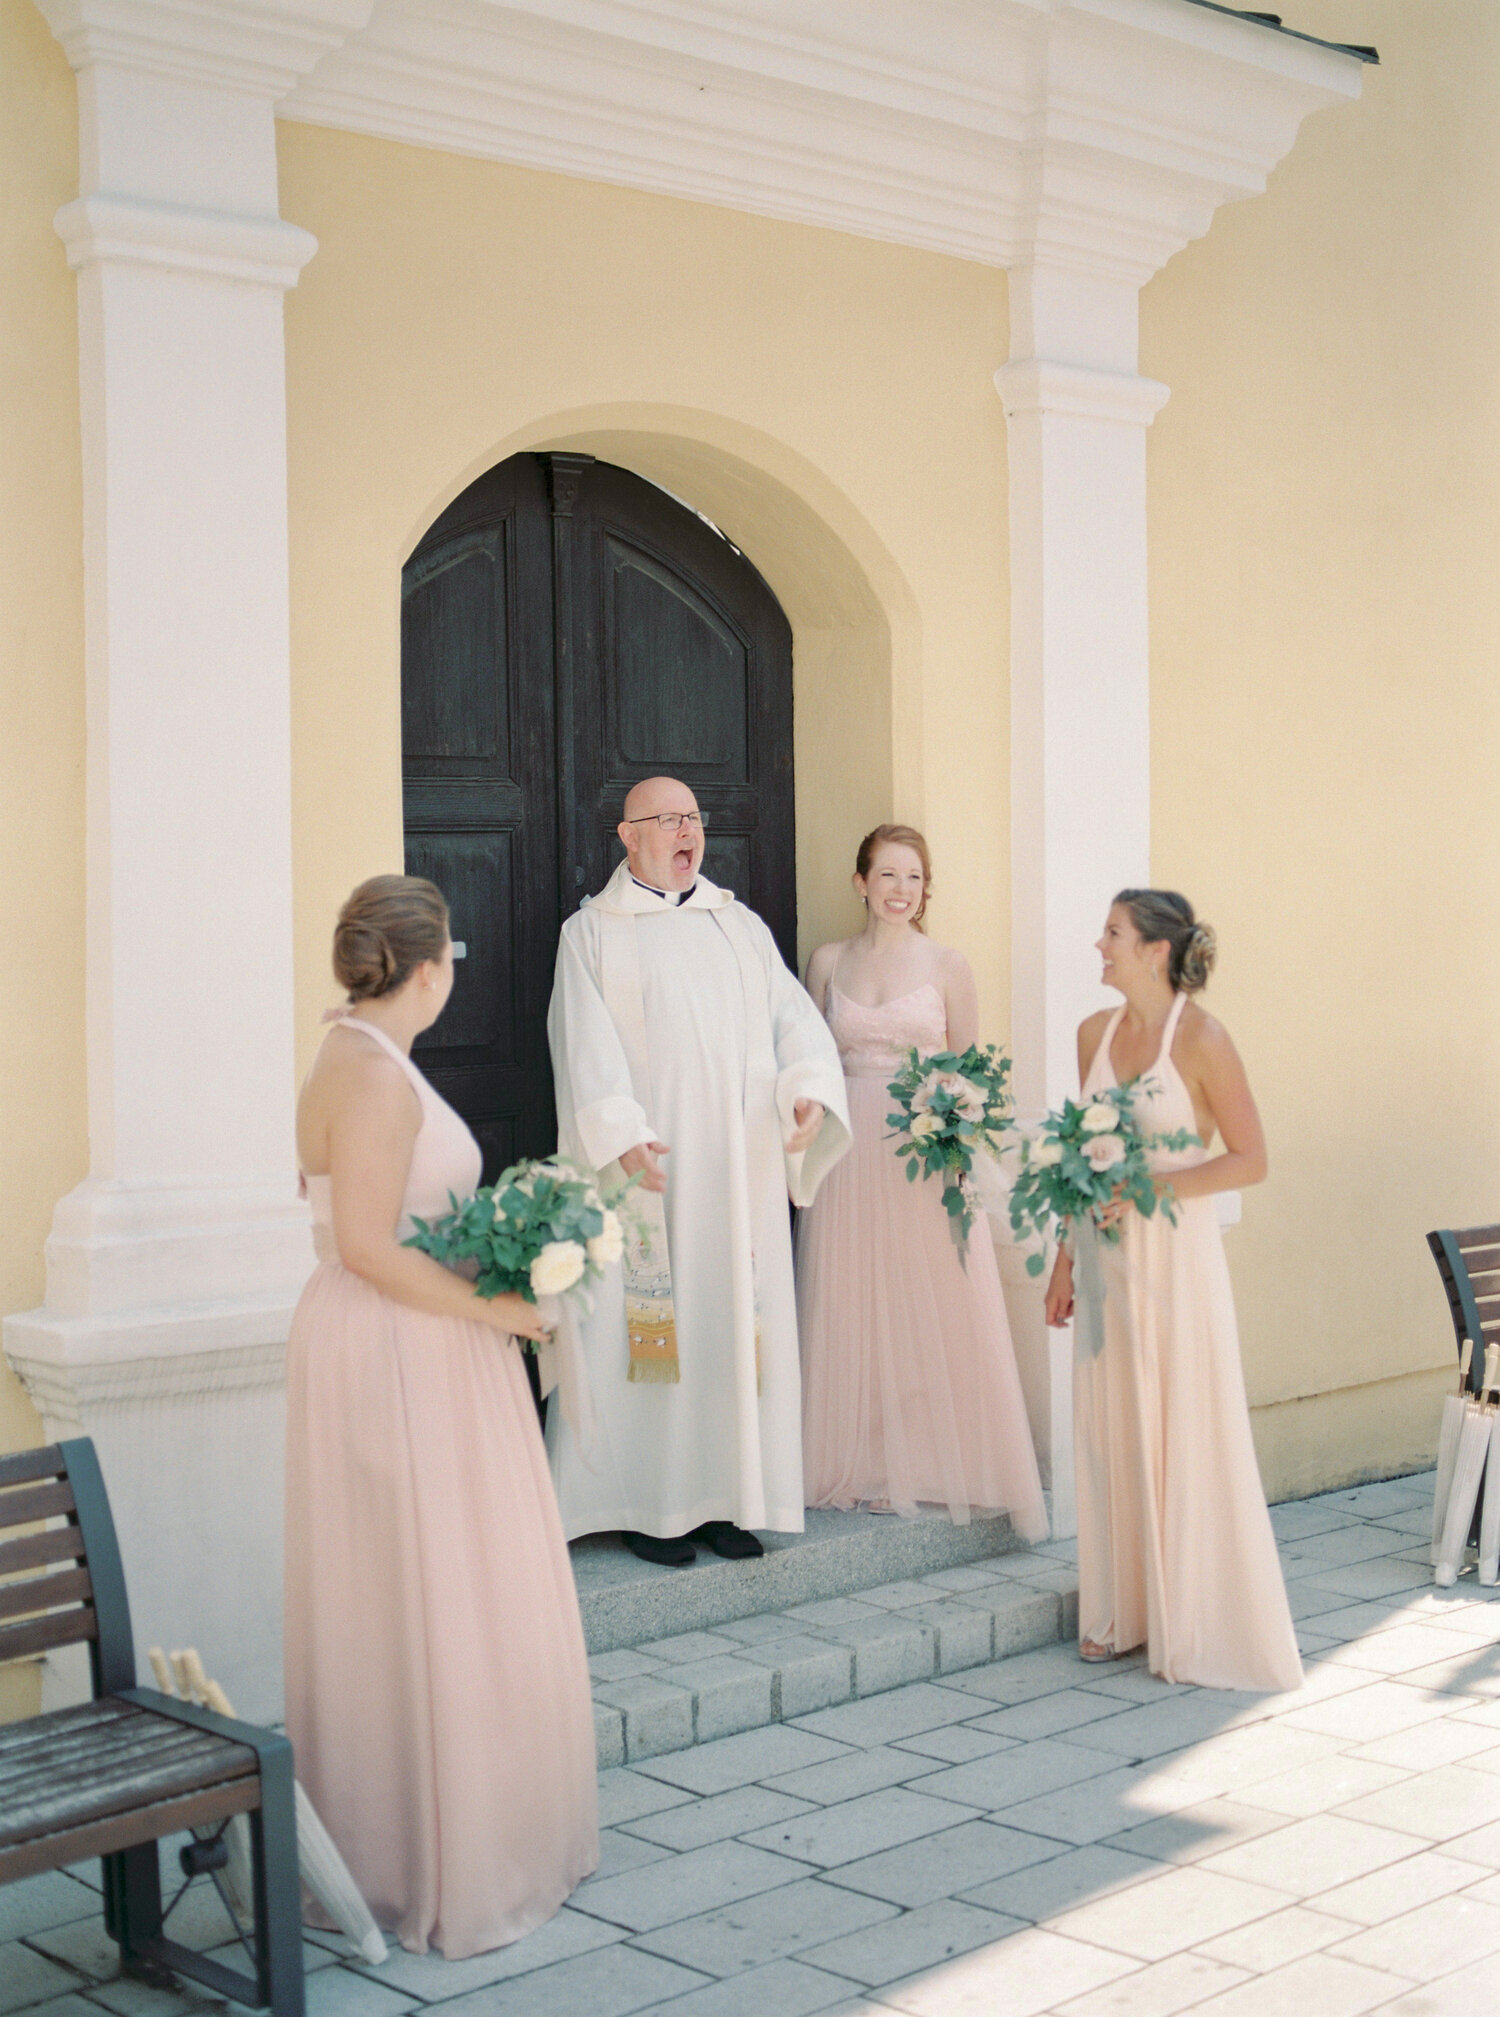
(910,1392)
(1175,1549)
(437,1692)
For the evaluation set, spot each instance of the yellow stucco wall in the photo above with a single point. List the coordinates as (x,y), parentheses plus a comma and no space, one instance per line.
(826,400)
(1325,609)
(43,1118)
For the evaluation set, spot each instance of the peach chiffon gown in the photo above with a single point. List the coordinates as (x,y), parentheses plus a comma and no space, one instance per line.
(910,1389)
(437,1692)
(1175,1548)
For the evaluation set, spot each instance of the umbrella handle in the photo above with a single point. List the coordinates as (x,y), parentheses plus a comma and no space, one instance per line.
(1491,1369)
(1465,1358)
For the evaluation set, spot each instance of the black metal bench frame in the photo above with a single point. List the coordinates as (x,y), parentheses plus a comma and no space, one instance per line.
(87,1576)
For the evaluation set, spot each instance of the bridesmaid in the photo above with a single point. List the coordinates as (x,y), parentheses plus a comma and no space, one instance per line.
(910,1389)
(1175,1548)
(437,1691)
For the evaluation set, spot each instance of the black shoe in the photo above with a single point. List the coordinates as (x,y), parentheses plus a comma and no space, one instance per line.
(675,1553)
(726,1539)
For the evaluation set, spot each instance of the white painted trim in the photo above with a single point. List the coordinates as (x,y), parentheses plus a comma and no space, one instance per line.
(183,240)
(1036,385)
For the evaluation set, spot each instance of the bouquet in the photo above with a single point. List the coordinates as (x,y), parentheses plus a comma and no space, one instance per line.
(1085,1158)
(950,1108)
(543,1230)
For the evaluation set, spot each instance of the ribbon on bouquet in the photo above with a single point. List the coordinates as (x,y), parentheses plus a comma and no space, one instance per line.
(1088,1289)
(560,1365)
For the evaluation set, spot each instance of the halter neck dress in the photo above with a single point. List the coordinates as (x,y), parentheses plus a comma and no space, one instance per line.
(437,1692)
(1175,1548)
(910,1388)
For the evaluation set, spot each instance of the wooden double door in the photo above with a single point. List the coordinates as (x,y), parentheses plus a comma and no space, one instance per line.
(567,629)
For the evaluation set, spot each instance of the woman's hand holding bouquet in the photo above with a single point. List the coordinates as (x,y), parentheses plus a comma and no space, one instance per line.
(544,1229)
(1091,1161)
(951,1107)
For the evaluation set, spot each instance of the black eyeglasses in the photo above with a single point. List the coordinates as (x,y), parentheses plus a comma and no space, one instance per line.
(669,821)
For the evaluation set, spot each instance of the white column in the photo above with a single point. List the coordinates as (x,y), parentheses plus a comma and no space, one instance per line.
(173,1268)
(1077,414)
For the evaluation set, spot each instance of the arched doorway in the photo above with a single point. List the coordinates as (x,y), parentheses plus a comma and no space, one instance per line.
(567,628)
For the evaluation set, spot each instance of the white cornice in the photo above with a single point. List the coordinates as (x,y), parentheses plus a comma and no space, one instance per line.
(1037,385)
(260,46)
(264,250)
(1097,136)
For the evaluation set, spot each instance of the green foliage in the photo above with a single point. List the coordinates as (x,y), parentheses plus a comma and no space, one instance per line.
(950,1106)
(497,1236)
(1065,1173)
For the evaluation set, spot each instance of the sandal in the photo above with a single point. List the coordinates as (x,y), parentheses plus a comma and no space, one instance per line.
(1095,1654)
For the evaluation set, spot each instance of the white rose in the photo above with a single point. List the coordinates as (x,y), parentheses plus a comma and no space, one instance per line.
(1104,1152)
(557,1267)
(924,1125)
(608,1244)
(1100,1117)
(1045,1154)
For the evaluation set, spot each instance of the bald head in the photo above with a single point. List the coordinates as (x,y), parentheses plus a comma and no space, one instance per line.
(664,855)
(658,794)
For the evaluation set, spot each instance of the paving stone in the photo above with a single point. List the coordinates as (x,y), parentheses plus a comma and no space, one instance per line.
(1170,1724)
(82,1945)
(610,1982)
(1458,1995)
(1434,1939)
(36,1903)
(1318,1983)
(1300,1518)
(1271,1943)
(627,1665)
(832,1613)
(620,1851)
(1397,1888)
(625,1795)
(896,1596)
(1161,1990)
(339,1992)
(1188,1834)
(609,1736)
(808,1673)
(1031,1972)
(1382,1708)
(883,1719)
(688,1646)
(679,1886)
(1047,1885)
(889,1650)
(1049,1715)
(921,1939)
(1446,1741)
(729,1695)
(1308,1858)
(1403,1648)
(1093,1810)
(59,2006)
(1025,1617)
(432,1979)
(965,1632)
(1247,1757)
(827,1836)
(1021,1677)
(1019,1774)
(755,1931)
(138,1999)
(785,1988)
(737,1761)
(1337,1546)
(1368,1579)
(943,1865)
(761,1626)
(971,1576)
(715,1819)
(658,1716)
(855,1773)
(955,1745)
(1168,1912)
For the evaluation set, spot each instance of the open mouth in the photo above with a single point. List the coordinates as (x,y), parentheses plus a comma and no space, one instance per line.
(682,861)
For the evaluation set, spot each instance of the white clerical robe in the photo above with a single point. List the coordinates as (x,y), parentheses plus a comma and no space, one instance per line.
(679,1022)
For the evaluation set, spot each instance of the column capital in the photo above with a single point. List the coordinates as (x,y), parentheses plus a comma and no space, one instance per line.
(265,49)
(184,240)
(1041,385)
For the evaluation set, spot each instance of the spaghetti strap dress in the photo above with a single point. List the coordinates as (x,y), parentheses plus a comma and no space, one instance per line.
(1175,1549)
(910,1389)
(437,1692)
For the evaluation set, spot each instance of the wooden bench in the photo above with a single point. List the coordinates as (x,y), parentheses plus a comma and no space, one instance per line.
(113,1776)
(1469,1263)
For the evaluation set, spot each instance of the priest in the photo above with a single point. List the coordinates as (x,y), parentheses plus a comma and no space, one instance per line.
(686,1054)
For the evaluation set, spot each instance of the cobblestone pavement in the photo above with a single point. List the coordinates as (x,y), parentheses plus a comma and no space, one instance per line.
(1034,1838)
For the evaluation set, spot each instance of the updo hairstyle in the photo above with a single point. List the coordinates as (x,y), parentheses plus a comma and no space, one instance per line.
(1161,914)
(899,836)
(385,930)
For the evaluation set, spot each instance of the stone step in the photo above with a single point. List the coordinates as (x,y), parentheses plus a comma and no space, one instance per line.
(692,1686)
(626,1602)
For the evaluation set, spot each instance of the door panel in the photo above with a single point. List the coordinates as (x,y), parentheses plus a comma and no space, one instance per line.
(568,629)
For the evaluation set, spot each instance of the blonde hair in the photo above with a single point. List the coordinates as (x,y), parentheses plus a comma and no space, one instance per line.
(1163,915)
(386,928)
(897,836)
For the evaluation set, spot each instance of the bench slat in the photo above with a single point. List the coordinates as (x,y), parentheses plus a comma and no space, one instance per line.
(63,1628)
(115,1749)
(124,1831)
(92,1791)
(24,1465)
(58,1726)
(34,1551)
(35,1502)
(45,1593)
(1476,1236)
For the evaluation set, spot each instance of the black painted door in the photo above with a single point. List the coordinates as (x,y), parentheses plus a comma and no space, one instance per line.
(567,629)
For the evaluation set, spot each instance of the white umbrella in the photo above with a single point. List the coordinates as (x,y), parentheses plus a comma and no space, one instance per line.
(1468,1474)
(324,1870)
(1453,1415)
(1489,1519)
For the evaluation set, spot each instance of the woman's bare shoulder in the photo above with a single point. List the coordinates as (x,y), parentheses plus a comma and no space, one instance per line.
(1202,1036)
(1092,1027)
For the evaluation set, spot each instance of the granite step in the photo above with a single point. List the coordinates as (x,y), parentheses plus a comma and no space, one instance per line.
(626,1602)
(691,1686)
